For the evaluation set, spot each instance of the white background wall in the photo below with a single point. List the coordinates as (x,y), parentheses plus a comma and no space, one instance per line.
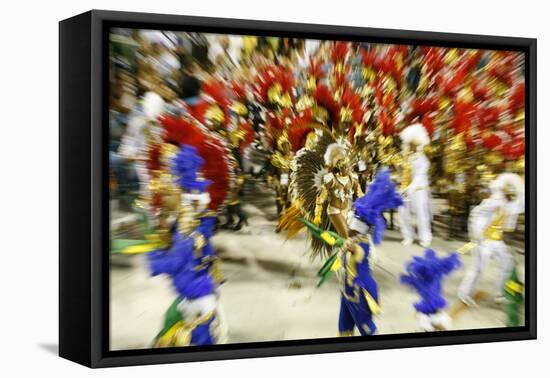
(29,186)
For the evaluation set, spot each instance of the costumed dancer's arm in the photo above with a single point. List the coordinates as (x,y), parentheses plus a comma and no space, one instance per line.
(171,260)
(319,202)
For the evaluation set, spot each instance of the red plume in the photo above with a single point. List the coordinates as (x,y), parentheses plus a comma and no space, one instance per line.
(217,166)
(239,89)
(450,84)
(433,57)
(274,126)
(420,107)
(489,117)
(217,91)
(387,122)
(264,80)
(481,92)
(491,141)
(339,51)
(368,58)
(269,77)
(352,100)
(198,110)
(515,149)
(461,123)
(286,79)
(298,130)
(324,98)
(502,71)
(428,123)
(316,68)
(213,93)
(249,135)
(470,61)
(390,63)
(517,99)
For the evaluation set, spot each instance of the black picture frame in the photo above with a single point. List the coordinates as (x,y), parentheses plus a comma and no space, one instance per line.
(84,205)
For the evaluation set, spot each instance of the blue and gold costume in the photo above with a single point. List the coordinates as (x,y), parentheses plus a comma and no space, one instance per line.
(424,275)
(190,260)
(359,294)
(359,291)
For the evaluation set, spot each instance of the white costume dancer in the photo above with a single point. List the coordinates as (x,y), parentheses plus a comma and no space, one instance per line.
(488,222)
(142,128)
(415,187)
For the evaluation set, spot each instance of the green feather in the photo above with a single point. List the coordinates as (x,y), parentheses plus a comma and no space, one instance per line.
(171,317)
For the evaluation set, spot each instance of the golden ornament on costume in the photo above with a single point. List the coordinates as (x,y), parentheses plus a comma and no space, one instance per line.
(239,108)
(275,96)
(215,114)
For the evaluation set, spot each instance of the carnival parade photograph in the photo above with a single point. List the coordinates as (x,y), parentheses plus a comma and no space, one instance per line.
(266,188)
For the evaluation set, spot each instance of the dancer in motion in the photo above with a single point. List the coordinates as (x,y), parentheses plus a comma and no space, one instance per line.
(489,223)
(338,188)
(359,292)
(415,186)
(190,260)
(424,275)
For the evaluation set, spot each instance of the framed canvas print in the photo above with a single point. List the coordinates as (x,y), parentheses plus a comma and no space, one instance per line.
(235,188)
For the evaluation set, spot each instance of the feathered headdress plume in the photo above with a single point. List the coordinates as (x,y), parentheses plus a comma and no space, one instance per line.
(274,86)
(424,275)
(351,107)
(299,129)
(339,52)
(508,183)
(217,166)
(326,109)
(216,105)
(186,166)
(415,134)
(316,69)
(381,195)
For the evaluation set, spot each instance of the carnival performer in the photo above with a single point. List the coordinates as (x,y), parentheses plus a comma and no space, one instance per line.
(274,93)
(415,186)
(234,206)
(359,292)
(424,275)
(324,182)
(190,259)
(240,135)
(195,128)
(281,160)
(338,188)
(488,224)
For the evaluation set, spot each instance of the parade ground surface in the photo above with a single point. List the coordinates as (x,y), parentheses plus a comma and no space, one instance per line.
(270,284)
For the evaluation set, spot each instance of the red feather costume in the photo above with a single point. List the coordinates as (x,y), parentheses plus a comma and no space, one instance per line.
(217,164)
